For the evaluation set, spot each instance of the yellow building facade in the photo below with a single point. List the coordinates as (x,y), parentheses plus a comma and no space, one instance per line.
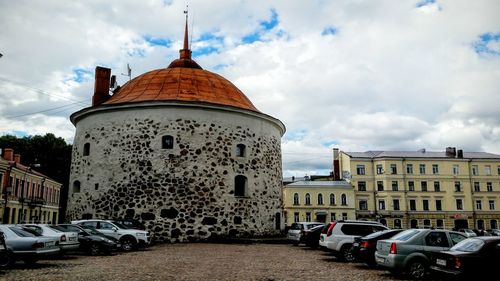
(450,189)
(27,195)
(318,201)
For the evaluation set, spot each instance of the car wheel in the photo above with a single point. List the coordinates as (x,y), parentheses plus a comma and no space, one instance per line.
(6,260)
(346,253)
(128,244)
(417,269)
(94,249)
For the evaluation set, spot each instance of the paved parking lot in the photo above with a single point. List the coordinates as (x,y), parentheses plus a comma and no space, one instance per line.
(200,261)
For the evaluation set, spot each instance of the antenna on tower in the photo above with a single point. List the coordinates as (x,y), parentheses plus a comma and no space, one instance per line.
(129,72)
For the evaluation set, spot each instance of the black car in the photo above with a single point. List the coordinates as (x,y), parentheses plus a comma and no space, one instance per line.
(310,237)
(364,248)
(474,258)
(91,241)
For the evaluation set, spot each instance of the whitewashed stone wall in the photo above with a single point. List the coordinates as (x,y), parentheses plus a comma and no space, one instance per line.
(185,193)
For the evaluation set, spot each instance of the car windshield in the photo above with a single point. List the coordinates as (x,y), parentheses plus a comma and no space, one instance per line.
(57,228)
(377,234)
(22,232)
(468,245)
(310,226)
(295,226)
(92,231)
(405,235)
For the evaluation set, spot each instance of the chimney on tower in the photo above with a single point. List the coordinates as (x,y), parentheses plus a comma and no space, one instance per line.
(101,85)
(336,164)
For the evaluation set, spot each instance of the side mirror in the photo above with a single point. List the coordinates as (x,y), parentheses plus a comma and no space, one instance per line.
(114,229)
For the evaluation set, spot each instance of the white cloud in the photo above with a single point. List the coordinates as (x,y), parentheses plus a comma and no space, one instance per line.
(392,76)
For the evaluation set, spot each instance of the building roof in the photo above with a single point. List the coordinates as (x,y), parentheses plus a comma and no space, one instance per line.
(184,81)
(321,184)
(420,154)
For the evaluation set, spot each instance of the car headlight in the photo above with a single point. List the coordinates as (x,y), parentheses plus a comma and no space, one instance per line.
(141,234)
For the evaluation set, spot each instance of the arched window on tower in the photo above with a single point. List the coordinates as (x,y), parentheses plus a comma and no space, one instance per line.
(86,149)
(167,142)
(332,199)
(240,150)
(76,187)
(240,184)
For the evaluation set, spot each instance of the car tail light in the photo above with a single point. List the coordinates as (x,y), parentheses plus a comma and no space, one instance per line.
(38,245)
(330,229)
(365,244)
(63,238)
(393,249)
(458,263)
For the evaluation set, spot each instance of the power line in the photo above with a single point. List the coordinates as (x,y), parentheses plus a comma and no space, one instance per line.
(45,110)
(40,91)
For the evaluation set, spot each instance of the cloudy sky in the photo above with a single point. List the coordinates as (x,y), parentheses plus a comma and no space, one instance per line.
(358,75)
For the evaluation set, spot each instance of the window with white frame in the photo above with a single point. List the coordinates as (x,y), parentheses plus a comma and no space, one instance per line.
(361,186)
(363,205)
(320,199)
(333,217)
(423,185)
(491,203)
(380,169)
(308,216)
(425,205)
(296,199)
(435,169)
(437,186)
(308,199)
(459,203)
(479,205)
(394,169)
(475,170)
(395,204)
(344,216)
(360,169)
(439,206)
(422,169)
(489,186)
(458,186)
(343,199)
(411,186)
(380,186)
(456,169)
(381,204)
(477,187)
(487,170)
(409,168)
(296,217)
(332,199)
(394,185)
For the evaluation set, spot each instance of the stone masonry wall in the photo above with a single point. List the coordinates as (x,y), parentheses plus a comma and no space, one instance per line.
(185,193)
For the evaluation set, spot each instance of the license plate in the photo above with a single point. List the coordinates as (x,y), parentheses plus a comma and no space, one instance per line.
(48,244)
(380,260)
(72,239)
(355,244)
(441,262)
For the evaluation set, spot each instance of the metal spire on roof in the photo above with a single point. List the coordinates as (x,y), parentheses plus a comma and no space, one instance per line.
(185,53)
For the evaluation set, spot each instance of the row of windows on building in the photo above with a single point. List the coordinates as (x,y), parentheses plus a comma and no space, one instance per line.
(25,189)
(240,186)
(308,217)
(167,142)
(424,186)
(307,199)
(361,170)
(363,205)
(28,215)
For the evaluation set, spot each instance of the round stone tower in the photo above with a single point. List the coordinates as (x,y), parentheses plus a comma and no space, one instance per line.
(183,150)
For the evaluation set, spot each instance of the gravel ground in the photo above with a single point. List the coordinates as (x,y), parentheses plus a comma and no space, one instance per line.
(199,261)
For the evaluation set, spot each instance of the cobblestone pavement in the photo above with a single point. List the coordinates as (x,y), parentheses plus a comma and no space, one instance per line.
(199,261)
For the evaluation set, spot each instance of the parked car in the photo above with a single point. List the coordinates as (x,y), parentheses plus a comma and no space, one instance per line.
(311,236)
(410,251)
(468,232)
(68,241)
(4,254)
(26,246)
(131,223)
(494,232)
(472,258)
(91,241)
(340,235)
(294,234)
(364,248)
(322,236)
(129,238)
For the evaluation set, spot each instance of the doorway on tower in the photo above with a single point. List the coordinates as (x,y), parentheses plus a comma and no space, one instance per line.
(321,217)
(461,224)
